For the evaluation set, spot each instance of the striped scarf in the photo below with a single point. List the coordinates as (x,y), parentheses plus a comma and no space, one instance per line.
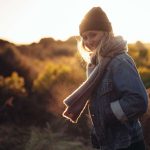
(77,101)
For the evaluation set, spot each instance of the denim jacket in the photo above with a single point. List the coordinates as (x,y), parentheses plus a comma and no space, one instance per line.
(116,105)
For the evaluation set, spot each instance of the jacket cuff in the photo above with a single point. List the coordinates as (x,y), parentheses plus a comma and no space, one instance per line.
(117,111)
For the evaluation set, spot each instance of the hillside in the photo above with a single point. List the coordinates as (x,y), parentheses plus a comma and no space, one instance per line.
(34,80)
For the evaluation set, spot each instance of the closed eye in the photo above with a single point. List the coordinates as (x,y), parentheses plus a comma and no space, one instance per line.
(92,35)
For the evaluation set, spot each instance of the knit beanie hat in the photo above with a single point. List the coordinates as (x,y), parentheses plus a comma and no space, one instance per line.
(95,19)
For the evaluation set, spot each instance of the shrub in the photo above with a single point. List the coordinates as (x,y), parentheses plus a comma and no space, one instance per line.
(145,75)
(50,75)
(13,83)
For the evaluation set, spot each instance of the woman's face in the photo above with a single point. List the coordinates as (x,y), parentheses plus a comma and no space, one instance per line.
(91,39)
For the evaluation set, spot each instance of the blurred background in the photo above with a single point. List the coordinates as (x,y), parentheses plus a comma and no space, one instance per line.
(40,66)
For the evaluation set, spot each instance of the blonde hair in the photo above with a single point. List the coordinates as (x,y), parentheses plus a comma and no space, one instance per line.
(87,53)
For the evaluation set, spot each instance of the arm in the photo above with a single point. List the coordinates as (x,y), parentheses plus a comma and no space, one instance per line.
(134,100)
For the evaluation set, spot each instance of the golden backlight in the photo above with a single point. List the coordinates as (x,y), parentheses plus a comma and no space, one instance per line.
(25,21)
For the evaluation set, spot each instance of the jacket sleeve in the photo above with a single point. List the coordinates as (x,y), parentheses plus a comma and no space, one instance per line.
(133,100)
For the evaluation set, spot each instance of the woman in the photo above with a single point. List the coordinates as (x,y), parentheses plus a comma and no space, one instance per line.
(113,90)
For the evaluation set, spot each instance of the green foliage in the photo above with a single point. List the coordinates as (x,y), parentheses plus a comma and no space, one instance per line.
(143,53)
(12,60)
(145,75)
(133,51)
(13,83)
(15,137)
(140,54)
(60,75)
(49,76)
(40,139)
(46,139)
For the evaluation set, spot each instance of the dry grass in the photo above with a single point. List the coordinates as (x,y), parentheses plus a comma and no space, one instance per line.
(34,138)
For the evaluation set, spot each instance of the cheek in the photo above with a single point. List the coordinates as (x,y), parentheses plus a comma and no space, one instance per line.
(96,43)
(87,43)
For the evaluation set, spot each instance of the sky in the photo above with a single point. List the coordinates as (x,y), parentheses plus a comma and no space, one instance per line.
(27,21)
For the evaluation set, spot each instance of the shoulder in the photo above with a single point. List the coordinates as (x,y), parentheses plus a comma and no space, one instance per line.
(122,60)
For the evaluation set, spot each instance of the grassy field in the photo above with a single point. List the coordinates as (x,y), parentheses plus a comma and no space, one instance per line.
(35,138)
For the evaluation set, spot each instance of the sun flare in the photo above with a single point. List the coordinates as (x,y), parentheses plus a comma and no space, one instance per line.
(29,21)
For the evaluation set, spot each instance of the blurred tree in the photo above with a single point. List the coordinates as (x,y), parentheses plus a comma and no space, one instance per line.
(143,51)
(12,60)
(46,42)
